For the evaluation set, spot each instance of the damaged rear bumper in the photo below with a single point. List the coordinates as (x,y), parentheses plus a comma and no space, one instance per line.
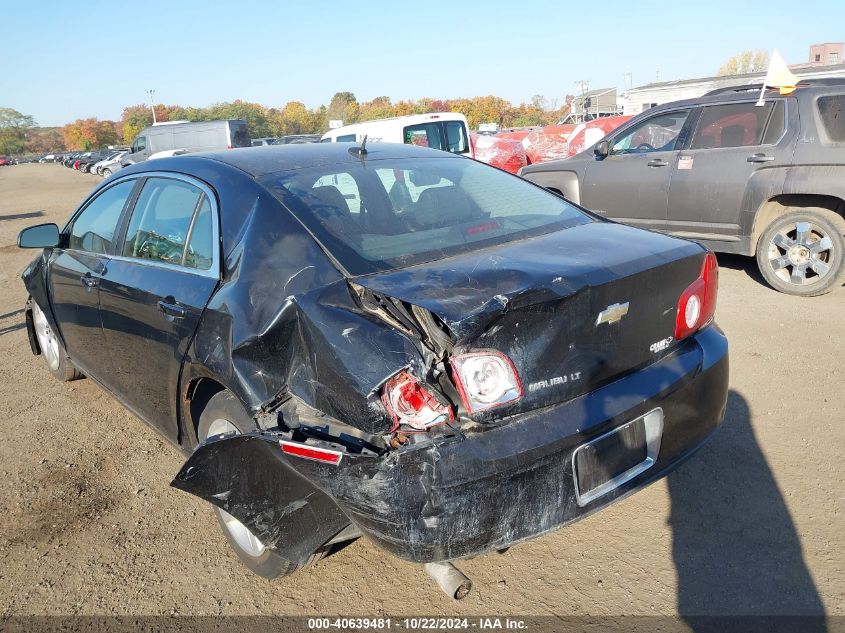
(459,496)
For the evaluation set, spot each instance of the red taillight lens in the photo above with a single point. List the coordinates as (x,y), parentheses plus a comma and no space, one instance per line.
(410,404)
(697,304)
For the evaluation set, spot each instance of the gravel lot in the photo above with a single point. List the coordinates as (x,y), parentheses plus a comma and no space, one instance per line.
(753,524)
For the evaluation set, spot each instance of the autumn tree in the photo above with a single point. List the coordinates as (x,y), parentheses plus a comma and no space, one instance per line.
(135,118)
(89,134)
(378,108)
(254,114)
(344,107)
(13,127)
(745,62)
(43,140)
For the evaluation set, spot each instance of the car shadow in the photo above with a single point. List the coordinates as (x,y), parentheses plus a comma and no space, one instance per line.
(748,265)
(21,216)
(735,547)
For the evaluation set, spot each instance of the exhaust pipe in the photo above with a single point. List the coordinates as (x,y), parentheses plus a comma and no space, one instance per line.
(450,579)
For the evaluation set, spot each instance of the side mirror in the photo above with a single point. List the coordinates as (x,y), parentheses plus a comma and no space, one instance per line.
(601,150)
(40,236)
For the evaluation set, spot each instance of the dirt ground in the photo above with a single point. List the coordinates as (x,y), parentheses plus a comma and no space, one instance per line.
(753,524)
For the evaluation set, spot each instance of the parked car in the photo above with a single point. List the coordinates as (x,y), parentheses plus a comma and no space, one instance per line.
(764,180)
(5,160)
(448,371)
(447,131)
(296,138)
(110,164)
(202,136)
(261,142)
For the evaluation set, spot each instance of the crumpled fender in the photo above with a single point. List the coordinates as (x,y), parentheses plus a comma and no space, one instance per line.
(249,477)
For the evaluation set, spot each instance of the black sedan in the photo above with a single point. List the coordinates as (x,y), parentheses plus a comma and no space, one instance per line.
(385,341)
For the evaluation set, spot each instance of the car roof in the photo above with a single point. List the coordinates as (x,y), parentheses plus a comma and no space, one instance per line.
(269,159)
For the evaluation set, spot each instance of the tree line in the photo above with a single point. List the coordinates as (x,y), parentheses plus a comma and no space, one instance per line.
(19,134)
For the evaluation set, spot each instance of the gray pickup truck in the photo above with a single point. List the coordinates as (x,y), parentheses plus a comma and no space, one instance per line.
(741,176)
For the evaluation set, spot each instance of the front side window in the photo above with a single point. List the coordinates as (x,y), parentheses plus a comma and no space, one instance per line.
(161,220)
(417,210)
(656,134)
(346,138)
(139,145)
(732,125)
(93,229)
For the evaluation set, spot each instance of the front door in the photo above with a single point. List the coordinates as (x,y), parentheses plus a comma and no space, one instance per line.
(154,292)
(631,184)
(76,271)
(730,143)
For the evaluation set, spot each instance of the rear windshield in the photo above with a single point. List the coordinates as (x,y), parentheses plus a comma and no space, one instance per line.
(377,215)
(832,114)
(240,137)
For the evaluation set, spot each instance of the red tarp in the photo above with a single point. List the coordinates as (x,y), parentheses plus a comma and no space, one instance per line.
(586,134)
(547,143)
(504,153)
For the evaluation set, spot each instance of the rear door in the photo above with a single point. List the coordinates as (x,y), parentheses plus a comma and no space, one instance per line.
(155,290)
(238,134)
(631,183)
(75,272)
(730,143)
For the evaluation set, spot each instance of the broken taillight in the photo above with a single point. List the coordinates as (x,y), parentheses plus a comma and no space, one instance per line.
(486,379)
(410,404)
(311,452)
(697,303)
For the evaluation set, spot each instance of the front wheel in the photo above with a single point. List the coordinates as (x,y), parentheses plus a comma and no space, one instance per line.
(106,172)
(802,253)
(51,348)
(225,415)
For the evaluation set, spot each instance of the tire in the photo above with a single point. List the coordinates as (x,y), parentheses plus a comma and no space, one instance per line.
(802,253)
(225,414)
(51,348)
(106,172)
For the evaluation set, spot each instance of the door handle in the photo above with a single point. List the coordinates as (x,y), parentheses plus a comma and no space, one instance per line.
(759,158)
(657,162)
(172,309)
(89,281)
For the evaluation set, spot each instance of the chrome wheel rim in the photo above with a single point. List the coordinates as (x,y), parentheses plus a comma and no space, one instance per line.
(801,253)
(47,340)
(240,534)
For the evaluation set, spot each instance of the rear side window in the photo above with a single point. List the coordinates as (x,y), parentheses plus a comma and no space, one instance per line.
(777,123)
(161,220)
(424,135)
(346,138)
(731,125)
(456,137)
(93,230)
(832,115)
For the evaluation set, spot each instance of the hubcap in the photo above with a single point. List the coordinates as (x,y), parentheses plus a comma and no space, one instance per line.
(801,253)
(47,341)
(239,533)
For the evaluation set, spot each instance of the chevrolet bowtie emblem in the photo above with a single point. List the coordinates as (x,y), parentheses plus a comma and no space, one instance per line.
(612,313)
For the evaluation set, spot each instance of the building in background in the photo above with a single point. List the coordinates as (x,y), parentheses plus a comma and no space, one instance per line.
(592,104)
(826,60)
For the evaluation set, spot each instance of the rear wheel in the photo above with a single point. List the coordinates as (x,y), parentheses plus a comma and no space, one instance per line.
(802,253)
(225,415)
(51,348)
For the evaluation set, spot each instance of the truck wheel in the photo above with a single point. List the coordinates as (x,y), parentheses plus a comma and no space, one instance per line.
(224,414)
(802,253)
(52,349)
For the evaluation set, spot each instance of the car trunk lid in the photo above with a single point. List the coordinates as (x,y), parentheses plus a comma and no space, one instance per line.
(573,309)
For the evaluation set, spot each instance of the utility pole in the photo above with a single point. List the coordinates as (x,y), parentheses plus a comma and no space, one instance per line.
(150,93)
(584,86)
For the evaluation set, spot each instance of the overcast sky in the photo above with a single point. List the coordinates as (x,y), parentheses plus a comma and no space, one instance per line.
(66,60)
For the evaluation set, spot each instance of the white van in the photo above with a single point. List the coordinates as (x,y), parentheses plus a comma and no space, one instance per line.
(439,130)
